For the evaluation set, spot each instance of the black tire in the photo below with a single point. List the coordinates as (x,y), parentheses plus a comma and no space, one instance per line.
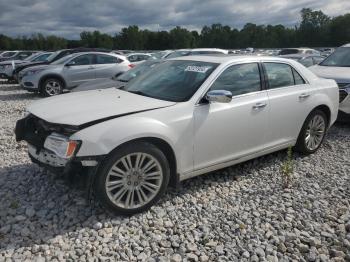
(102,174)
(301,144)
(58,89)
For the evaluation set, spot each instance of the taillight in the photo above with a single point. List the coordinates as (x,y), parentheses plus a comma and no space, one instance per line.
(131,65)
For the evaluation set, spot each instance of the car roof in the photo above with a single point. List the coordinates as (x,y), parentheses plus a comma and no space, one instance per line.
(346,45)
(97,53)
(221,59)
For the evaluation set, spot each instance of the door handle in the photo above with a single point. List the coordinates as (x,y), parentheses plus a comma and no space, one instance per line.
(259,105)
(304,96)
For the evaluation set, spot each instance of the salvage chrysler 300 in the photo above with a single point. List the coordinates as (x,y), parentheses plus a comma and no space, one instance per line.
(182,118)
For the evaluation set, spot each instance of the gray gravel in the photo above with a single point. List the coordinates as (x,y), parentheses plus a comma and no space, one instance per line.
(242,213)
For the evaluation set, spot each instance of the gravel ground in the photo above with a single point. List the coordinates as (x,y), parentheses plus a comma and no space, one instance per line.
(242,213)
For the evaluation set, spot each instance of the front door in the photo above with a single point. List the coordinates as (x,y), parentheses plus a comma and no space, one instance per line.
(80,69)
(228,131)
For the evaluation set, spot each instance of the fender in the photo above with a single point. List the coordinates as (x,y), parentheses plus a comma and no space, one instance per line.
(53,76)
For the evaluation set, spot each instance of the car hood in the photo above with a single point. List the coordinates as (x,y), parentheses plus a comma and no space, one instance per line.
(339,74)
(98,84)
(9,62)
(38,67)
(84,107)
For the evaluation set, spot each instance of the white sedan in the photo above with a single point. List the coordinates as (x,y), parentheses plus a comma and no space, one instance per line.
(185,117)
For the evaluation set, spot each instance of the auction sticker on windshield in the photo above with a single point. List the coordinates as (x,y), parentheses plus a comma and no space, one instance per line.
(198,69)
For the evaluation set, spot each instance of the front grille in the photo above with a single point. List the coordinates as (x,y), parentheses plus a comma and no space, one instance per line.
(342,95)
(35,130)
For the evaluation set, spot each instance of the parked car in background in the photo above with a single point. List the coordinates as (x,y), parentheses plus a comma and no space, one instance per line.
(55,56)
(137,58)
(7,67)
(71,71)
(118,80)
(161,54)
(337,66)
(17,55)
(303,50)
(305,60)
(196,51)
(188,116)
(7,54)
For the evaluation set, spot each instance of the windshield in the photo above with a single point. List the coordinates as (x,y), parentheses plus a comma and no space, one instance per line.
(62,60)
(173,81)
(52,56)
(340,57)
(41,57)
(178,54)
(29,58)
(138,70)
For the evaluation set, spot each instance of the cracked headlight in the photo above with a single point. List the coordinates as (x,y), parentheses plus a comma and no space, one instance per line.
(61,145)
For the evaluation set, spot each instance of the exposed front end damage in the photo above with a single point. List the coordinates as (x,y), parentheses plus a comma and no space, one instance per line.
(37,132)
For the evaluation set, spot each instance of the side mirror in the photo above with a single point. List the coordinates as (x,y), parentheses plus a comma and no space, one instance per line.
(219,96)
(71,63)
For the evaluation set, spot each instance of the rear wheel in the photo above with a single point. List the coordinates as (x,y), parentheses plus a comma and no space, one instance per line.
(52,87)
(133,178)
(312,133)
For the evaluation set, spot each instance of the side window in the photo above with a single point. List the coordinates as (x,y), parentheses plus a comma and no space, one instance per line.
(83,60)
(107,59)
(297,78)
(279,75)
(239,79)
(132,58)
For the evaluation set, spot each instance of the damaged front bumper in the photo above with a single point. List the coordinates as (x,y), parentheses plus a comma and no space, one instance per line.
(35,131)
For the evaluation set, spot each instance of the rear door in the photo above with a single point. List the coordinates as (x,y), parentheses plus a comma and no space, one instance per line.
(80,69)
(289,96)
(106,66)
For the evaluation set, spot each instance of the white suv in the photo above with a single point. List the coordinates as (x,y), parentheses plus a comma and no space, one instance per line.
(337,67)
(184,117)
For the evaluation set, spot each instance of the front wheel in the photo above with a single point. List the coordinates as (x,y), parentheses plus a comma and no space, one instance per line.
(133,178)
(51,87)
(312,133)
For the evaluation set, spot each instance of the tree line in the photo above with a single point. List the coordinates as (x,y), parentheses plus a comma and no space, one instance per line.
(315,29)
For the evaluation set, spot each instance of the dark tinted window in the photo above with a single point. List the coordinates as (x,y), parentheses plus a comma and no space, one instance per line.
(107,59)
(82,60)
(239,79)
(279,75)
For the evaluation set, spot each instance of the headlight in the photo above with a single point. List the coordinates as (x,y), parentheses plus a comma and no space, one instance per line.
(32,72)
(62,146)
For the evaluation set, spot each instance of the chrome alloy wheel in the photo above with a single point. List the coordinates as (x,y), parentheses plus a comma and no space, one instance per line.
(53,87)
(134,180)
(315,132)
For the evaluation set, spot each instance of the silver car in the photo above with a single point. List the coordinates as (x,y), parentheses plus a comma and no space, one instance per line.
(71,71)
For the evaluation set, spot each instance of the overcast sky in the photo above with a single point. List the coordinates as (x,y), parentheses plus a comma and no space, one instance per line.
(68,18)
